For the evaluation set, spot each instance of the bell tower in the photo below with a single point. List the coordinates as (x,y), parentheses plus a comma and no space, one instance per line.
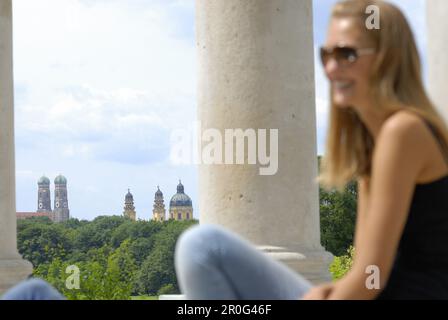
(129,209)
(158,212)
(43,195)
(61,210)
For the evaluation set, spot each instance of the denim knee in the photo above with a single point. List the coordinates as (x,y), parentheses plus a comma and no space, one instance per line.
(33,289)
(199,244)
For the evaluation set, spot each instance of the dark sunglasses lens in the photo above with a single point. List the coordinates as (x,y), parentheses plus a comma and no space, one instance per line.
(345,55)
(342,55)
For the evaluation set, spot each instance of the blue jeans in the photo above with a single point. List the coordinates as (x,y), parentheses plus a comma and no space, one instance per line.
(33,289)
(214,263)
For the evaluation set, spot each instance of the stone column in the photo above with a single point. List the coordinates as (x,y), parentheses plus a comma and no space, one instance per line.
(437,11)
(12,267)
(256,70)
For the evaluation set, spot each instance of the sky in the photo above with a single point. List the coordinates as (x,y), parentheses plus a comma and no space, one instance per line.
(100,85)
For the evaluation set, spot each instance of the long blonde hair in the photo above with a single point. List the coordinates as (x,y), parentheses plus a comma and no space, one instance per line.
(395,82)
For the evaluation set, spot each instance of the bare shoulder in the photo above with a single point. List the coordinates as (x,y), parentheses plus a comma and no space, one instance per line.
(404,136)
(404,126)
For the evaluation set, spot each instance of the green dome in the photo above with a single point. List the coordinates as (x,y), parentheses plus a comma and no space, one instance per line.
(60,179)
(180,199)
(44,180)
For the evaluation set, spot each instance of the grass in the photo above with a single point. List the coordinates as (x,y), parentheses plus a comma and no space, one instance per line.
(145,298)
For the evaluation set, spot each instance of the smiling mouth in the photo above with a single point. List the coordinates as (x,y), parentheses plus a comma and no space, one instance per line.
(341,85)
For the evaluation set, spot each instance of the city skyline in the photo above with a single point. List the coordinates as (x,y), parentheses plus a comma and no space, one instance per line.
(51,197)
(98,101)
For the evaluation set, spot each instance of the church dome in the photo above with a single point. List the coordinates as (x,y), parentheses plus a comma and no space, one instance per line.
(60,179)
(44,180)
(129,196)
(180,199)
(158,192)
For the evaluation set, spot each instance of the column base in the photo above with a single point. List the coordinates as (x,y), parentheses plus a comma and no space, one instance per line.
(313,265)
(12,271)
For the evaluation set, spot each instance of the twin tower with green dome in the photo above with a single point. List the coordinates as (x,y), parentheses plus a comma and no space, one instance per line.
(61,211)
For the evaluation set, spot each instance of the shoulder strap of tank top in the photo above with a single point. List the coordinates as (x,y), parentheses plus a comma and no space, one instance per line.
(442,143)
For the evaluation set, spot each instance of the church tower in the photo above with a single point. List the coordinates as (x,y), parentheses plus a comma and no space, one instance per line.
(158,213)
(181,207)
(43,195)
(61,211)
(129,209)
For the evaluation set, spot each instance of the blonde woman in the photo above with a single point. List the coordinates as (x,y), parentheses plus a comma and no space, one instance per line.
(383,132)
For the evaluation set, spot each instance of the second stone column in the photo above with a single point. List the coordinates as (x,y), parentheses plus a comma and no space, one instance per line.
(256,72)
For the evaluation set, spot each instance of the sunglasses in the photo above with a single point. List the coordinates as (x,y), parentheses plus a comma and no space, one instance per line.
(344,56)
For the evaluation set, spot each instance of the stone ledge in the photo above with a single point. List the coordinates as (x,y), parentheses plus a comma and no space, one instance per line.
(313,265)
(13,271)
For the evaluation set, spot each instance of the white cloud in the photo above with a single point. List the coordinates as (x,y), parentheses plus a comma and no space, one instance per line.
(124,125)
(99,85)
(108,45)
(108,71)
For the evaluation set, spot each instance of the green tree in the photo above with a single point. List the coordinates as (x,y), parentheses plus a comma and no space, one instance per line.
(341,265)
(140,249)
(338,218)
(98,233)
(134,230)
(158,268)
(123,259)
(40,243)
(23,224)
(97,281)
(116,257)
(167,289)
(74,223)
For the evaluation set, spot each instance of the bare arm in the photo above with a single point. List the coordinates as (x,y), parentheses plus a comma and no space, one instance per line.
(323,291)
(362,205)
(380,226)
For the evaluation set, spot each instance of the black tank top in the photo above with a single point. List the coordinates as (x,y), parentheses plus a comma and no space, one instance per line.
(420,269)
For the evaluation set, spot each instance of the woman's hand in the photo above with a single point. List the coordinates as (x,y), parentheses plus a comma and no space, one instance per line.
(319,292)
